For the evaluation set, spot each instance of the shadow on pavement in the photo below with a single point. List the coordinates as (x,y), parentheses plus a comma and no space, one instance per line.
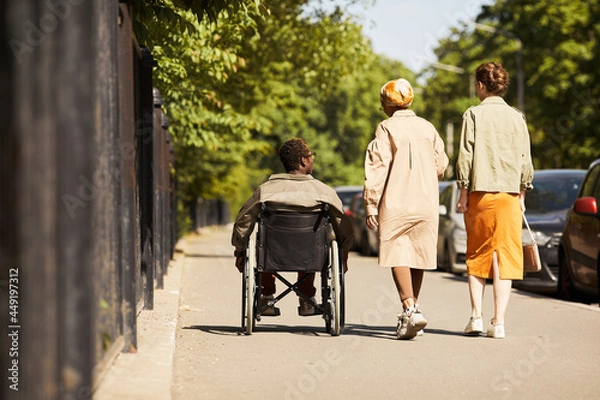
(207,255)
(236,330)
(381,332)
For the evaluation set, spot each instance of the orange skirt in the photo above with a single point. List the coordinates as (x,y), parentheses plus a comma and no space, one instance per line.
(494,223)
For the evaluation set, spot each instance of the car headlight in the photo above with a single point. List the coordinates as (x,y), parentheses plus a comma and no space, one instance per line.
(459,235)
(540,237)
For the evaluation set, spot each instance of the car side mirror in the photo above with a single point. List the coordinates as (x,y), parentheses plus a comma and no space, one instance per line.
(443,210)
(586,205)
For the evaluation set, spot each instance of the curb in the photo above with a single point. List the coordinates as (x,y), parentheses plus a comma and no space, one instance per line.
(148,373)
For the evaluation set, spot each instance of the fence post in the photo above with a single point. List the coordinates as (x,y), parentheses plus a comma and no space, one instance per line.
(54,122)
(128,197)
(158,189)
(147,174)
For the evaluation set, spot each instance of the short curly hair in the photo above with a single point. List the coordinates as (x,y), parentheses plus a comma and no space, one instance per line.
(291,153)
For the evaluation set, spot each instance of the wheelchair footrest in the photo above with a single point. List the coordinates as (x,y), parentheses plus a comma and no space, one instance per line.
(271,312)
(302,313)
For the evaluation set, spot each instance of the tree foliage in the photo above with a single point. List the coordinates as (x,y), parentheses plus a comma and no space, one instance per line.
(242,77)
(559,51)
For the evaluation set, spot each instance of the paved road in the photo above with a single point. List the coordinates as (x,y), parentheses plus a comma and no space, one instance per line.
(551,350)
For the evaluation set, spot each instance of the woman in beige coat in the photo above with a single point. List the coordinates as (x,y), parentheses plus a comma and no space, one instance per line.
(402,167)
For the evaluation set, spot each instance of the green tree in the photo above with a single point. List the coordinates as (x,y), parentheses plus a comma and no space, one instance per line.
(559,38)
(241,77)
(559,62)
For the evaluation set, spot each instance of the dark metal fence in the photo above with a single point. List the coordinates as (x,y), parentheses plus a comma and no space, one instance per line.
(210,212)
(86,196)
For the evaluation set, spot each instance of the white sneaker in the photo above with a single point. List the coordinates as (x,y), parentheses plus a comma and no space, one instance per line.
(474,327)
(496,331)
(410,323)
(418,321)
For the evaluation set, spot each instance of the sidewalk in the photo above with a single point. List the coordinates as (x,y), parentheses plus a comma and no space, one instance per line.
(191,347)
(148,373)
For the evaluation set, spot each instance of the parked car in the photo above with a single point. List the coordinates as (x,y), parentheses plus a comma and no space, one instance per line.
(547,204)
(346,194)
(366,241)
(443,185)
(452,237)
(579,251)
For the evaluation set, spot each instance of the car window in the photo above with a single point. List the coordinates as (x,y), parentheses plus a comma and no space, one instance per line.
(596,193)
(346,198)
(590,182)
(346,195)
(552,194)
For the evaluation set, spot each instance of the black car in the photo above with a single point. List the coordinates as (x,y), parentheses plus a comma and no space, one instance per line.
(365,240)
(547,204)
(579,253)
(346,194)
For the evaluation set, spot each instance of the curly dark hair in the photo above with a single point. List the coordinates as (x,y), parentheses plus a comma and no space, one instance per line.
(291,153)
(494,77)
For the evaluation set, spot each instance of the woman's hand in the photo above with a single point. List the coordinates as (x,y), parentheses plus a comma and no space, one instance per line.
(372,222)
(463,201)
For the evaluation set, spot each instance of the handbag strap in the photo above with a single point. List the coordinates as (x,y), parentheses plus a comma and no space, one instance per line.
(528,229)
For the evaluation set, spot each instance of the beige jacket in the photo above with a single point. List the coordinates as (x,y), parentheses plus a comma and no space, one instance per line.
(402,167)
(291,191)
(495,153)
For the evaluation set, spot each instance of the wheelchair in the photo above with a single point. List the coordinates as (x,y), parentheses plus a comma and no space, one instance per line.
(302,240)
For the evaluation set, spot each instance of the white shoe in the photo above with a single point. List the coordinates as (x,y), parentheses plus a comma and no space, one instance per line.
(474,327)
(410,323)
(496,331)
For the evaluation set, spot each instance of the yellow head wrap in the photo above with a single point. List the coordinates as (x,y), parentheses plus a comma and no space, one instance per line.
(397,93)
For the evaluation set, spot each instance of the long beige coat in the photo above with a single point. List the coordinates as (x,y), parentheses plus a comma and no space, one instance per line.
(402,167)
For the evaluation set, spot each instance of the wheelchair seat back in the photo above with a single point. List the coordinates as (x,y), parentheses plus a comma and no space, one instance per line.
(293,240)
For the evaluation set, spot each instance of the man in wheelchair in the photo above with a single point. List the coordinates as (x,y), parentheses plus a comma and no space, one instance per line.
(293,190)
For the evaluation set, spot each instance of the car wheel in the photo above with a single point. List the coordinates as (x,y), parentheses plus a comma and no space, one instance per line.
(447,259)
(598,277)
(365,246)
(565,290)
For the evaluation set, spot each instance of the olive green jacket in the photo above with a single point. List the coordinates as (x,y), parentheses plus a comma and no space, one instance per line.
(495,152)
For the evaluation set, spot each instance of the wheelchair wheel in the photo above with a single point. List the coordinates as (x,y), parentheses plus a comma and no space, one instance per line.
(334,319)
(249,289)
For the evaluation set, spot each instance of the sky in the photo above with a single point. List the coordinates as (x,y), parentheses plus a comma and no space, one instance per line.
(409,30)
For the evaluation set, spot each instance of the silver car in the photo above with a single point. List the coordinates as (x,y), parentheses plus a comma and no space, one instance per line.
(366,241)
(452,237)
